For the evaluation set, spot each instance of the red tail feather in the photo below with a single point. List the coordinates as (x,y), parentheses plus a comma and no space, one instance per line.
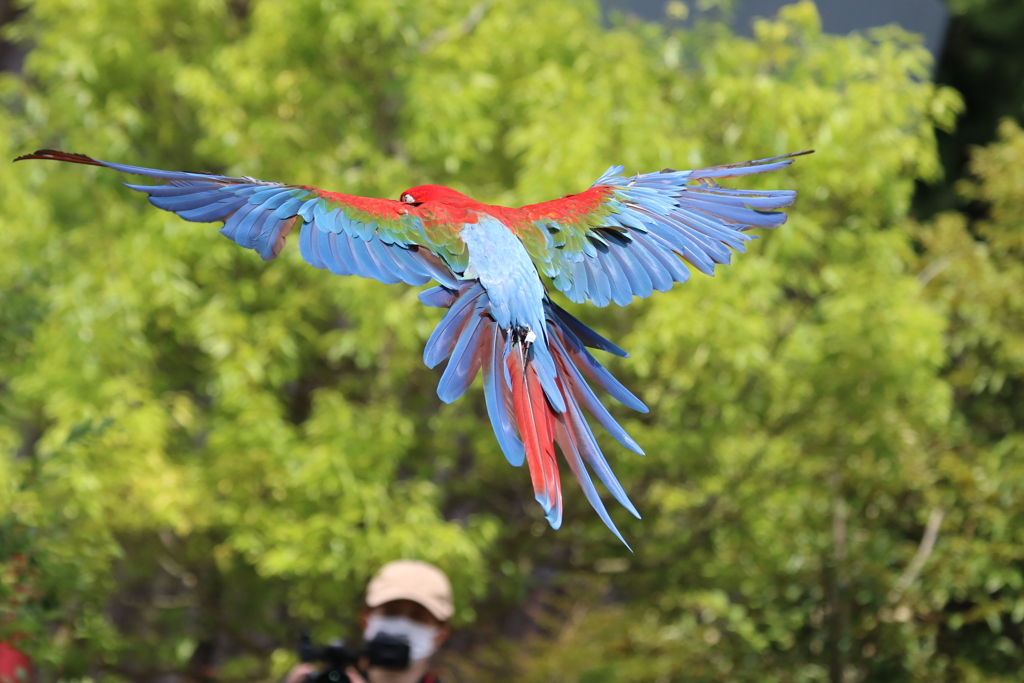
(535,419)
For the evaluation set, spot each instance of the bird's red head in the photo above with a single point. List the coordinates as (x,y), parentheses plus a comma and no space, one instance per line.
(434,193)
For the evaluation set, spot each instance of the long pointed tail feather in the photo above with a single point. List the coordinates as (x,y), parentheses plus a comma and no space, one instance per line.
(536,427)
(567,443)
(498,396)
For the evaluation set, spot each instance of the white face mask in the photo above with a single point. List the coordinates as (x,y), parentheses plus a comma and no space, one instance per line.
(420,636)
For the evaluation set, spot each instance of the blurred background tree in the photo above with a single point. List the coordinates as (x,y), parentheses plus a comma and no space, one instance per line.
(205,453)
(984,60)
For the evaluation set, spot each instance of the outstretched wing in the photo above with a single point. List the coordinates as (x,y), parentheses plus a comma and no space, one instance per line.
(381,239)
(624,236)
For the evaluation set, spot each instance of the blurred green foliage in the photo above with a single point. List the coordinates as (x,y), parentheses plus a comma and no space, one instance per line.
(204,452)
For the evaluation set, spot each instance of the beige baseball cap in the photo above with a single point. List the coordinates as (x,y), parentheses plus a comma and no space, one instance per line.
(412,580)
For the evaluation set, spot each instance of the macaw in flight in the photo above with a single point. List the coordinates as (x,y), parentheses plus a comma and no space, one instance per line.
(626,236)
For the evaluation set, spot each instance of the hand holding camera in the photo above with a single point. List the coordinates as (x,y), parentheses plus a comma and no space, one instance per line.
(383,651)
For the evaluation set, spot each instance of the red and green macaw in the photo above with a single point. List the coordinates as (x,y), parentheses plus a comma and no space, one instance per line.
(624,237)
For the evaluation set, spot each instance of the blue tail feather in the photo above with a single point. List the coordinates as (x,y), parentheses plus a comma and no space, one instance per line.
(465,359)
(586,396)
(572,456)
(444,337)
(586,335)
(498,397)
(472,340)
(596,372)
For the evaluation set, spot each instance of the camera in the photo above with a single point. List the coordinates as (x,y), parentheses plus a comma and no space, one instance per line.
(384,651)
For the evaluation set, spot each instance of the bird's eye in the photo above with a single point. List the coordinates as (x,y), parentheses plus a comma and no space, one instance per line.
(407,198)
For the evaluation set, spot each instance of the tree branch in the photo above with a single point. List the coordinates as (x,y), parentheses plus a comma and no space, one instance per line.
(924,551)
(473,17)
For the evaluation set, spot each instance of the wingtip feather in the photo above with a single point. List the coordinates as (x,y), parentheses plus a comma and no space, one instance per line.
(57,155)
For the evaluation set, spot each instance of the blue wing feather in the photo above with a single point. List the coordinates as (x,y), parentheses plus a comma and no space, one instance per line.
(257,215)
(662,217)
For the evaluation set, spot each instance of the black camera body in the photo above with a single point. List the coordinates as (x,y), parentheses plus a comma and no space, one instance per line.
(384,651)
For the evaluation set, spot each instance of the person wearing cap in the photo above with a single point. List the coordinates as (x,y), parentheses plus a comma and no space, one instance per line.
(406,598)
